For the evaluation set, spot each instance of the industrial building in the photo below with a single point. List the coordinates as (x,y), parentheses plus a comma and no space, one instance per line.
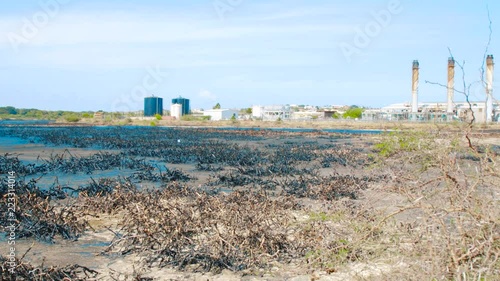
(433,111)
(184,103)
(221,114)
(482,111)
(152,106)
(307,115)
(272,113)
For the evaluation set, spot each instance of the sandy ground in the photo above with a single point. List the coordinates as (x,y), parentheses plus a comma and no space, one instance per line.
(313,124)
(33,151)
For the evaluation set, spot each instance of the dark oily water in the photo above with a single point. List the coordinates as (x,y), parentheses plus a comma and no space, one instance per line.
(60,163)
(26,122)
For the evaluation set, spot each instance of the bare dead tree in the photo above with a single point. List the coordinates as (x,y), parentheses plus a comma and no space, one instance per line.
(467,87)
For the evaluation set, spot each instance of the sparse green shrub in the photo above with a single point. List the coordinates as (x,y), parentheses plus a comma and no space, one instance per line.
(126,121)
(194,118)
(330,259)
(395,142)
(233,119)
(451,197)
(353,113)
(72,118)
(323,216)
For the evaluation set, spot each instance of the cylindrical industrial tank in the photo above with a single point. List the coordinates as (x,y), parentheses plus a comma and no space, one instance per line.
(185,104)
(176,111)
(153,106)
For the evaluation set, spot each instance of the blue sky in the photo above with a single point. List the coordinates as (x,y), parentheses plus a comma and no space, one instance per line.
(91,55)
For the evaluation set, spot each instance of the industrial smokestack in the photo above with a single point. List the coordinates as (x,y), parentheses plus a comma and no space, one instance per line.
(489,88)
(414,89)
(451,85)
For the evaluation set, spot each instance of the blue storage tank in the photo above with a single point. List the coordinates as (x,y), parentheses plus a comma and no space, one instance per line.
(185,104)
(153,106)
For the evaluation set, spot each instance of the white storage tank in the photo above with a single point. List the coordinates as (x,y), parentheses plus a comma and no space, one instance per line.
(176,111)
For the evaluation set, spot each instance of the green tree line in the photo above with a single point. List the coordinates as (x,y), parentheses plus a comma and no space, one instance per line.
(10,112)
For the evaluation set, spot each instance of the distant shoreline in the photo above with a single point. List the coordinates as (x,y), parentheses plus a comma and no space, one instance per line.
(248,124)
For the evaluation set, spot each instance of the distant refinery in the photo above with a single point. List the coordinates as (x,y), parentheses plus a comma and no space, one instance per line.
(486,111)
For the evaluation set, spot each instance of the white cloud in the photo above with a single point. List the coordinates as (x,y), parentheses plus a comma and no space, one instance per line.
(110,40)
(125,39)
(313,11)
(128,28)
(207,95)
